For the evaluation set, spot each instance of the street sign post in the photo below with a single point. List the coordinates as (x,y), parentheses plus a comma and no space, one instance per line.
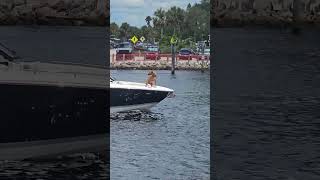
(142,39)
(173,41)
(134,39)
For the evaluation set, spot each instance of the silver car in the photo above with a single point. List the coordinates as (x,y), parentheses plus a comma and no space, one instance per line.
(124,48)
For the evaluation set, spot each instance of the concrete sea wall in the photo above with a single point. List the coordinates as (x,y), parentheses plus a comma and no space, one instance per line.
(54,12)
(277,12)
(162,64)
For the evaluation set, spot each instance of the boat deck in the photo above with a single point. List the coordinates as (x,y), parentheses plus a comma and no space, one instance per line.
(137,86)
(53,74)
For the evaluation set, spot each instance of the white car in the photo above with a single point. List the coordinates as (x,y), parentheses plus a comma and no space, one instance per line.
(124,48)
(206,54)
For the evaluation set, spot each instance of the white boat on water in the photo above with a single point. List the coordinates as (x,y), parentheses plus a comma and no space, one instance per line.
(127,96)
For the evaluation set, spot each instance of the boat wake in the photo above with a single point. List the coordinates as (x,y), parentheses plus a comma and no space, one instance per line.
(136,115)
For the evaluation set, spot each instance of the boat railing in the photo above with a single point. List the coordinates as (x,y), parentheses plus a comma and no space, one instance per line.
(79,64)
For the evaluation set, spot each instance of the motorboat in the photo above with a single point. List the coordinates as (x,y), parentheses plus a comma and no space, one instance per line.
(128,96)
(53,108)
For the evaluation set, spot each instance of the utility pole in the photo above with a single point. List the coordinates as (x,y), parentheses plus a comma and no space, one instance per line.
(202,59)
(173,58)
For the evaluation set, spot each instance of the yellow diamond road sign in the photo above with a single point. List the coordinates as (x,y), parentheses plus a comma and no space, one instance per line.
(134,39)
(173,40)
(142,39)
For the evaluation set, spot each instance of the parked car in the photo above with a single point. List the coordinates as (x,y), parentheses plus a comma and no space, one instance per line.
(139,46)
(206,54)
(124,48)
(153,53)
(186,54)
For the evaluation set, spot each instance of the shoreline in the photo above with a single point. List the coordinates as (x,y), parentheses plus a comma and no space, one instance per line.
(59,12)
(157,69)
(192,65)
(140,63)
(284,13)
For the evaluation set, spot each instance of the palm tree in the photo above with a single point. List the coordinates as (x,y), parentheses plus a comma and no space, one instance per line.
(189,6)
(175,18)
(124,29)
(148,20)
(114,29)
(160,20)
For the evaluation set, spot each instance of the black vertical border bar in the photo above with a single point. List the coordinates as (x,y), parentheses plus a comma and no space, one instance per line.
(212,3)
(108,82)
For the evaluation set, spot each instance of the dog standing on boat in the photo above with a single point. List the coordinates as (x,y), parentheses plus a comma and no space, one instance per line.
(152,77)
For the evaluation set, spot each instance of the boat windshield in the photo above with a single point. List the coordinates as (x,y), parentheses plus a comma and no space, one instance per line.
(7,53)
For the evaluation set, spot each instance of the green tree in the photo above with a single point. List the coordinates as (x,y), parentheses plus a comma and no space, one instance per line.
(114,29)
(159,21)
(175,18)
(189,25)
(124,30)
(198,21)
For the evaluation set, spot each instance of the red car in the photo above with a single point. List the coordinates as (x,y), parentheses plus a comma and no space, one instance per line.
(186,54)
(153,53)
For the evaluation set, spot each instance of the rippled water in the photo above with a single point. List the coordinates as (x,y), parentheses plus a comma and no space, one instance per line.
(77,166)
(266,121)
(170,142)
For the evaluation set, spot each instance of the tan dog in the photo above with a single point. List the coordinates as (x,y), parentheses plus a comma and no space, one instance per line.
(152,77)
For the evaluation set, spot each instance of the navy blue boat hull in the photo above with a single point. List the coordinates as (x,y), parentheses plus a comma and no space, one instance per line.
(128,97)
(34,112)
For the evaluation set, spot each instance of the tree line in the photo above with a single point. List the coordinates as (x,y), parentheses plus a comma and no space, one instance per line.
(190,25)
